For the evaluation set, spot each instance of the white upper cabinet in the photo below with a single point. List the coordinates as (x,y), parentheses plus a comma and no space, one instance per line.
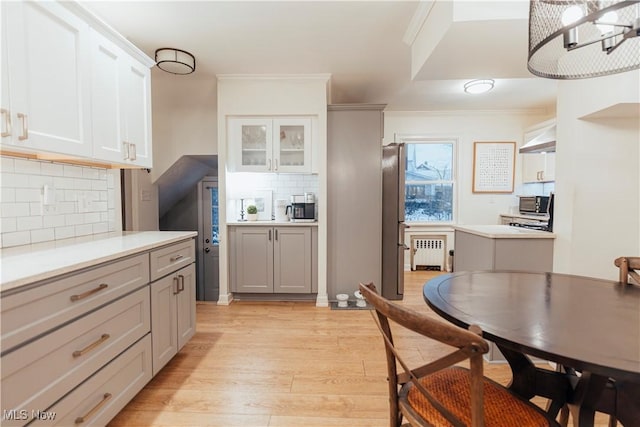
(120,105)
(270,144)
(71,87)
(46,61)
(538,167)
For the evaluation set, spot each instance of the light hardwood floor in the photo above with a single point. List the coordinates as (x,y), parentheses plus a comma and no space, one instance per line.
(282,364)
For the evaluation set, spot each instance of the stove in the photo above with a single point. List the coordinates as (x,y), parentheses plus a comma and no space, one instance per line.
(542,226)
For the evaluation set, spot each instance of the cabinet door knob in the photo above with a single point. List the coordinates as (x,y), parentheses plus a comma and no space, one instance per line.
(275,162)
(269,167)
(7,122)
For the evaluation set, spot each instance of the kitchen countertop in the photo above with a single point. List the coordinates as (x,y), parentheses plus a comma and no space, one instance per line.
(504,232)
(22,265)
(274,223)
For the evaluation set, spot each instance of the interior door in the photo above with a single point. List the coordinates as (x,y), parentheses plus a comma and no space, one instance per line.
(209,290)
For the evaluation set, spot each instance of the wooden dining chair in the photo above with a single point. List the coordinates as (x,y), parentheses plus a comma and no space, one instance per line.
(439,393)
(608,403)
(628,267)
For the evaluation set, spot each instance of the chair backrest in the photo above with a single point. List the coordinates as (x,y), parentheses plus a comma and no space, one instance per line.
(469,344)
(628,267)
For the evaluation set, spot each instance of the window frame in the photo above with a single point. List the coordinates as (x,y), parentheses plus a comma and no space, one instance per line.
(420,139)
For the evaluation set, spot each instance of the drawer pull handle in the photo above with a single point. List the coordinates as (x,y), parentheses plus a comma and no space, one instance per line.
(90,347)
(176,258)
(105,398)
(88,293)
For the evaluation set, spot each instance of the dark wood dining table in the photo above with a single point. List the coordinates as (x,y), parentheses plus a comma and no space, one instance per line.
(587,324)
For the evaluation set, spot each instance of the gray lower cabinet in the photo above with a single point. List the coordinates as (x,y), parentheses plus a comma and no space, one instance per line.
(474,252)
(271,259)
(77,347)
(172,314)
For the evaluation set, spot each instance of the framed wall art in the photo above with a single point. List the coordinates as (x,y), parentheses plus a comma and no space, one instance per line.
(493,167)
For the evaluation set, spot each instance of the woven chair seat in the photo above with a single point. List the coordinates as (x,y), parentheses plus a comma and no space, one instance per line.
(451,387)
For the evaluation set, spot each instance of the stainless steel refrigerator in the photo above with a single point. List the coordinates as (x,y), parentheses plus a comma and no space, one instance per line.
(393,226)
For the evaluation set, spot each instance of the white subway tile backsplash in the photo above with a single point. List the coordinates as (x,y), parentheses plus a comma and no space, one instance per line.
(53,221)
(99,185)
(29,222)
(83,202)
(7,164)
(7,195)
(63,183)
(9,180)
(82,184)
(84,229)
(14,210)
(74,219)
(28,195)
(65,232)
(42,235)
(92,217)
(35,209)
(15,239)
(90,173)
(25,166)
(101,227)
(8,225)
(72,171)
(52,169)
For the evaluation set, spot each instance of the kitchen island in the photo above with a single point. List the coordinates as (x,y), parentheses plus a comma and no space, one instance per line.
(502,247)
(87,322)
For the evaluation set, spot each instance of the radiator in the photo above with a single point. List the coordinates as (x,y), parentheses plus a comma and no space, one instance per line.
(428,254)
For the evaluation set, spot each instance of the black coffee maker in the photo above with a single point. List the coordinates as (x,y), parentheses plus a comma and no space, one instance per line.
(302,208)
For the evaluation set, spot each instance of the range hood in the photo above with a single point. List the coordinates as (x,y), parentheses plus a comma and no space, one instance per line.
(544,142)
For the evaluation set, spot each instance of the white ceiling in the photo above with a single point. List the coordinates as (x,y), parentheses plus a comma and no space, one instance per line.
(360,43)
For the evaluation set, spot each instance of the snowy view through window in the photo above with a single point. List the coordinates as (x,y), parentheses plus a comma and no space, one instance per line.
(429,184)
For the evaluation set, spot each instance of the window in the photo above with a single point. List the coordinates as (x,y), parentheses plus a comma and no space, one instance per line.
(429,181)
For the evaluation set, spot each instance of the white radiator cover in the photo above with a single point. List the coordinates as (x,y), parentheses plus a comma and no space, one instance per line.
(428,253)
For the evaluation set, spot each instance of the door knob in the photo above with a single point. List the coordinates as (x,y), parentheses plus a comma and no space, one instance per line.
(206,240)
(207,250)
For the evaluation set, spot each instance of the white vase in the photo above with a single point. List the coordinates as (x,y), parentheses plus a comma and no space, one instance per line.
(252,217)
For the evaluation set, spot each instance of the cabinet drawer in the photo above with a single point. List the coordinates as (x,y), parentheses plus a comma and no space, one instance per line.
(102,396)
(29,313)
(39,373)
(167,260)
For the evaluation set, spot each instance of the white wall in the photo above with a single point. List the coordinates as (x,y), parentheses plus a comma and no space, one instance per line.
(597,175)
(184,118)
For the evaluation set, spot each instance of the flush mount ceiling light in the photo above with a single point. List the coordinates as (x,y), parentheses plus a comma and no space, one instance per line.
(580,39)
(175,61)
(479,86)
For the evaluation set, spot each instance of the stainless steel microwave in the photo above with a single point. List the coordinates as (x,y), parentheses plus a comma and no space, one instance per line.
(536,205)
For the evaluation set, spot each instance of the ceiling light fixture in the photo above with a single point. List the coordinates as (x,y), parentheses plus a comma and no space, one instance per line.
(175,61)
(479,86)
(579,39)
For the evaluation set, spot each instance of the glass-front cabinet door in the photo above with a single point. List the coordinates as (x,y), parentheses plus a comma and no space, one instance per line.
(253,138)
(270,144)
(292,145)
